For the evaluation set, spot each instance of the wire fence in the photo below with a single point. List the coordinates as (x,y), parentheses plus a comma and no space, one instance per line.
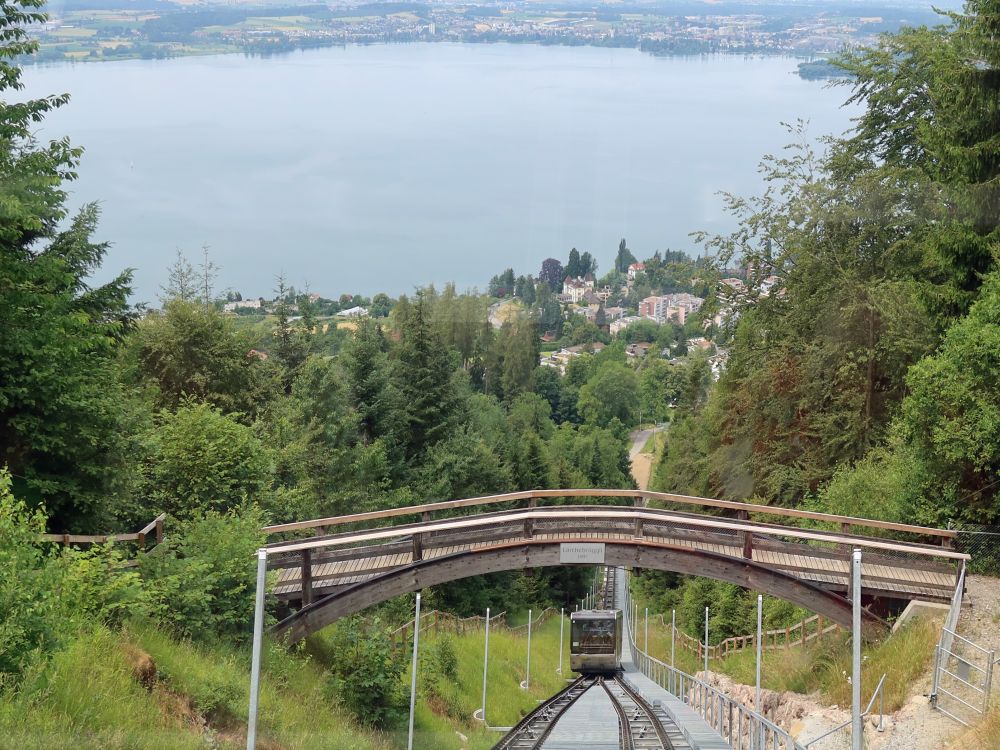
(437,621)
(982,544)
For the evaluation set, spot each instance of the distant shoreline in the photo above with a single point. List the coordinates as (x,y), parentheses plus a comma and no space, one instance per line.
(810,67)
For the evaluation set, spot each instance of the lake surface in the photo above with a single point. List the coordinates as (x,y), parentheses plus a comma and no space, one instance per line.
(381,168)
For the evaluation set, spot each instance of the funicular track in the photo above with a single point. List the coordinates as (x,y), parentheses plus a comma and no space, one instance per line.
(640,727)
(532,731)
(608,590)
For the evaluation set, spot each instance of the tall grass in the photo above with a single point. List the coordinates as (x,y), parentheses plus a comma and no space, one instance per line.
(821,667)
(87,696)
(986,736)
(447,706)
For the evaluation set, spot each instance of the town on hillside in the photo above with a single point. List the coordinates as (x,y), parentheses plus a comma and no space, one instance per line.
(667,307)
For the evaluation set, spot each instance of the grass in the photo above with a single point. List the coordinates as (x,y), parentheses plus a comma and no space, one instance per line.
(87,696)
(985,736)
(650,444)
(446,707)
(822,667)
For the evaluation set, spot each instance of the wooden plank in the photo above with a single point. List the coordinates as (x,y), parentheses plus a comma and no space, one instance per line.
(566,512)
(534,495)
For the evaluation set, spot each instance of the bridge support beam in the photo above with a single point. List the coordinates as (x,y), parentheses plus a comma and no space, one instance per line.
(536,553)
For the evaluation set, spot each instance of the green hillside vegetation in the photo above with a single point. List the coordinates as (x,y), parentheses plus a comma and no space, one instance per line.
(867,383)
(864,383)
(820,667)
(451,687)
(140,688)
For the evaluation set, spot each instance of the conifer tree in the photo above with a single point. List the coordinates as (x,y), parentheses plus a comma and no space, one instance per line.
(423,376)
(60,407)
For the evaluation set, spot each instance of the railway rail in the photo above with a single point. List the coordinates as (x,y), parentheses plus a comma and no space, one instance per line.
(532,731)
(640,726)
(608,590)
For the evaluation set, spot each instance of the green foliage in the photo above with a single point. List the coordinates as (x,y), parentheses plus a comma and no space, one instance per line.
(59,394)
(86,696)
(952,414)
(47,594)
(198,459)
(372,392)
(463,465)
(29,610)
(439,664)
(624,258)
(423,375)
(98,587)
(202,578)
(611,393)
(192,351)
(364,674)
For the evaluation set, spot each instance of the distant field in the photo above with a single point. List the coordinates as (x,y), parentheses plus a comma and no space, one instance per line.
(73,33)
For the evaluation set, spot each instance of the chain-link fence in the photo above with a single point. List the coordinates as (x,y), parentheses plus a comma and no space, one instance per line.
(982,544)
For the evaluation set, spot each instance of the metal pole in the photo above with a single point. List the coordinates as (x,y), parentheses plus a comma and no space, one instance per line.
(645,638)
(486,660)
(527,673)
(562,627)
(413,673)
(673,633)
(757,699)
(258,638)
(706,643)
(857,727)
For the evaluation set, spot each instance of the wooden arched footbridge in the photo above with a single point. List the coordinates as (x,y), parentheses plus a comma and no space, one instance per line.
(354,561)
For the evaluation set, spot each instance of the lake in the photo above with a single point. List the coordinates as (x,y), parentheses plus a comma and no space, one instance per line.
(381,168)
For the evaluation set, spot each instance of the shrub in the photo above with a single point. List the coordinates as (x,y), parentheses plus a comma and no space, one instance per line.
(203,578)
(365,675)
(199,459)
(30,616)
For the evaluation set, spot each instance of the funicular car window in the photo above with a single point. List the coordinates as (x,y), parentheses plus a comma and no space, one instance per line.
(594,635)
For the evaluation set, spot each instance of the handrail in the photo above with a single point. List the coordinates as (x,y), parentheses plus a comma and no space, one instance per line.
(645,495)
(569,512)
(880,693)
(712,703)
(156,525)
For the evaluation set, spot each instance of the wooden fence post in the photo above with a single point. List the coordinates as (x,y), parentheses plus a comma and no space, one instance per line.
(307,577)
(746,536)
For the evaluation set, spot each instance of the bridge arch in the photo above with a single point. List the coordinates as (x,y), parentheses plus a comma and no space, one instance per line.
(536,553)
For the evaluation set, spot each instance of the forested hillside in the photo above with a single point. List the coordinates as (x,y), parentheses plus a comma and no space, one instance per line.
(869,384)
(864,382)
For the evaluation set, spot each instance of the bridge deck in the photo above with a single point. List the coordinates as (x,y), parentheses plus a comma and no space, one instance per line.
(887,571)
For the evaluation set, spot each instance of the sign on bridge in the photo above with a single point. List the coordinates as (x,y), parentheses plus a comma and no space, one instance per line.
(574,553)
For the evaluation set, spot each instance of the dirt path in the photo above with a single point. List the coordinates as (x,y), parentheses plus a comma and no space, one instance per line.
(642,463)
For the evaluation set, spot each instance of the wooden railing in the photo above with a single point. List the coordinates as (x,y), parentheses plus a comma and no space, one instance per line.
(742,511)
(152,530)
(799,634)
